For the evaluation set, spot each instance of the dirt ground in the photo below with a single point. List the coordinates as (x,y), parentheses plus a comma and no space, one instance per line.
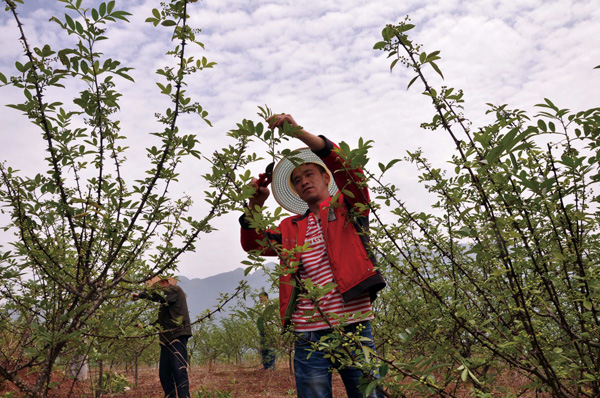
(225,381)
(222,381)
(250,382)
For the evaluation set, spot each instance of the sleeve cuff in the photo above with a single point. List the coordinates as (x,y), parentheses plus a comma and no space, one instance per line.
(244,223)
(323,153)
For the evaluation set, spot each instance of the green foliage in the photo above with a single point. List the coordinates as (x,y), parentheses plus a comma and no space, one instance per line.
(206,393)
(113,382)
(237,338)
(83,239)
(500,274)
(229,340)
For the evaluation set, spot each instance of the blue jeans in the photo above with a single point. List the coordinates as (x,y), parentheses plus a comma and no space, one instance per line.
(313,374)
(266,352)
(268,358)
(172,369)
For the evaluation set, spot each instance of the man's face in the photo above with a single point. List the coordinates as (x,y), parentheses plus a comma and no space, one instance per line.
(310,183)
(164,283)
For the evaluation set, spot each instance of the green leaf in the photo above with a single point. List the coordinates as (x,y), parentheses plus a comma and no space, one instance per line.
(379,45)
(348,193)
(168,22)
(391,163)
(3,79)
(542,125)
(156,13)
(120,15)
(70,22)
(370,388)
(414,79)
(79,27)
(383,369)
(387,33)
(405,28)
(436,68)
(548,104)
(47,51)
(344,147)
(102,9)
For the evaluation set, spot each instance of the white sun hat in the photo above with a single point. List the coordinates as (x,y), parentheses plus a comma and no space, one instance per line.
(283,189)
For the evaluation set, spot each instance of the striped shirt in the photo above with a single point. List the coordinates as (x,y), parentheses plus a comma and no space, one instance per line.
(316,268)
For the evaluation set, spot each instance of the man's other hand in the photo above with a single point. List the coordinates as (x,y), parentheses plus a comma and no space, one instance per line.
(260,196)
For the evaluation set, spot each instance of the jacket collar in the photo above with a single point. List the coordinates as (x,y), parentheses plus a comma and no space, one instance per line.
(305,215)
(302,217)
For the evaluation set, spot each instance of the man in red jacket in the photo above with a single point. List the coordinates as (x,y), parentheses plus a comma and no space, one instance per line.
(325,245)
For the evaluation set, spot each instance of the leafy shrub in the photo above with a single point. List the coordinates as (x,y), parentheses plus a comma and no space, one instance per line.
(206,393)
(113,382)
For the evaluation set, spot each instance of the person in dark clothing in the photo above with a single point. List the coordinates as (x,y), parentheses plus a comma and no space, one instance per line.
(267,351)
(175,330)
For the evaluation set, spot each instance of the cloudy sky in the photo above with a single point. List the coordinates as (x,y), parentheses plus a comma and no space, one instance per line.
(315,60)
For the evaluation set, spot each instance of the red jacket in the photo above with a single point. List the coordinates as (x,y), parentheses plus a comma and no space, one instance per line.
(351,263)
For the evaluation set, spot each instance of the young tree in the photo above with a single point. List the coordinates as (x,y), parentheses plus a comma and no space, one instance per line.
(204,345)
(82,235)
(501,273)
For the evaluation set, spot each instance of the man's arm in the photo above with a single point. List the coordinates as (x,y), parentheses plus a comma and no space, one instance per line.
(314,142)
(153,296)
(345,177)
(250,239)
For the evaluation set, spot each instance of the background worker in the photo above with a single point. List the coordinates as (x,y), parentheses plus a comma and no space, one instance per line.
(174,322)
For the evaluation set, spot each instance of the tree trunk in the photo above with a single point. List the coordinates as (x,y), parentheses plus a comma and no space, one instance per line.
(136,370)
(40,389)
(100,387)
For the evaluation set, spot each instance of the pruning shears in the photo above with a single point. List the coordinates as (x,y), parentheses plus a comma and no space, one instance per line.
(264,179)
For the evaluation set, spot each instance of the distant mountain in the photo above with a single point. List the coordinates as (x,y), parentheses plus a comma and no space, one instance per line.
(204,293)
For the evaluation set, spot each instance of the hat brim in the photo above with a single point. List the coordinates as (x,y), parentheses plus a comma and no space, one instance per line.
(283,190)
(158,278)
